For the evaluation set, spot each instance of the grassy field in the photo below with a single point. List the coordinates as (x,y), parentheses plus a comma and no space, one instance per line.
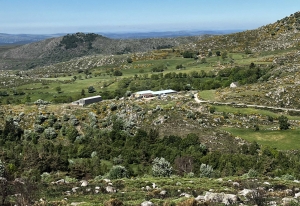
(251,111)
(207,95)
(282,140)
(138,68)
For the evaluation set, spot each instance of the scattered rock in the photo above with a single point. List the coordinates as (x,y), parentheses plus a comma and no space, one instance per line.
(297,195)
(110,189)
(147,203)
(226,199)
(185,195)
(246,192)
(163,192)
(77,203)
(84,183)
(74,189)
(287,200)
(236,184)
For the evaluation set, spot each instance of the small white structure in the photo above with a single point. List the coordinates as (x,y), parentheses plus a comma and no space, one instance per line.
(150,93)
(88,100)
(234,84)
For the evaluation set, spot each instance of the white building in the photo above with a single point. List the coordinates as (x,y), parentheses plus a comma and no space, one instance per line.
(88,100)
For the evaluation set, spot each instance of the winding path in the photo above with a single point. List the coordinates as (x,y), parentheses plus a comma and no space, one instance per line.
(244,105)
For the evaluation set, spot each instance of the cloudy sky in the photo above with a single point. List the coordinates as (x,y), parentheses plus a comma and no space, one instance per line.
(69,16)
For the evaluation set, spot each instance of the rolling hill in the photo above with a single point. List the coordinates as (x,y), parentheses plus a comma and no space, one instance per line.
(282,34)
(55,50)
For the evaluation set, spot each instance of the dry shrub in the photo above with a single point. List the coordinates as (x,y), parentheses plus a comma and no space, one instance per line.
(189,202)
(113,202)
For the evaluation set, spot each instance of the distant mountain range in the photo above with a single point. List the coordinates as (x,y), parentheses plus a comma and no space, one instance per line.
(162,34)
(20,39)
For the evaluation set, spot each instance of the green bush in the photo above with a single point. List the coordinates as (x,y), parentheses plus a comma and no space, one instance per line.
(161,167)
(206,171)
(117,172)
(2,168)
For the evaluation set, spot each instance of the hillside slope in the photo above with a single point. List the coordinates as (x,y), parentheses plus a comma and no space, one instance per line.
(283,34)
(65,48)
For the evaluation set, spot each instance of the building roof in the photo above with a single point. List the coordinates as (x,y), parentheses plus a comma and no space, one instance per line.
(145,92)
(93,97)
(167,91)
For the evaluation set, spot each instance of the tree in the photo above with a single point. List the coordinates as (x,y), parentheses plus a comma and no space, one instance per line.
(117,73)
(129,60)
(82,92)
(58,89)
(283,123)
(224,55)
(184,165)
(3,184)
(161,167)
(206,170)
(218,53)
(117,172)
(91,89)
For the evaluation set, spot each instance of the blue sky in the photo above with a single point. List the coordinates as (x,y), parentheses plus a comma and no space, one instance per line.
(69,16)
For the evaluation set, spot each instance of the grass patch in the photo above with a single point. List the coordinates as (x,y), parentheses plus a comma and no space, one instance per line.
(251,111)
(207,95)
(280,139)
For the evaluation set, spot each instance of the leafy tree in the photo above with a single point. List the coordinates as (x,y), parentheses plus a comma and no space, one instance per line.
(91,89)
(58,89)
(117,73)
(161,167)
(187,54)
(253,148)
(224,55)
(212,109)
(117,172)
(206,170)
(72,133)
(283,123)
(252,65)
(82,92)
(218,53)
(129,60)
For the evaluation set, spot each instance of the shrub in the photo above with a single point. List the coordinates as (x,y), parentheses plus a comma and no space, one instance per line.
(251,174)
(161,167)
(287,177)
(190,175)
(206,170)
(283,123)
(2,168)
(73,120)
(212,109)
(91,89)
(117,73)
(129,60)
(117,172)
(113,202)
(50,133)
(38,128)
